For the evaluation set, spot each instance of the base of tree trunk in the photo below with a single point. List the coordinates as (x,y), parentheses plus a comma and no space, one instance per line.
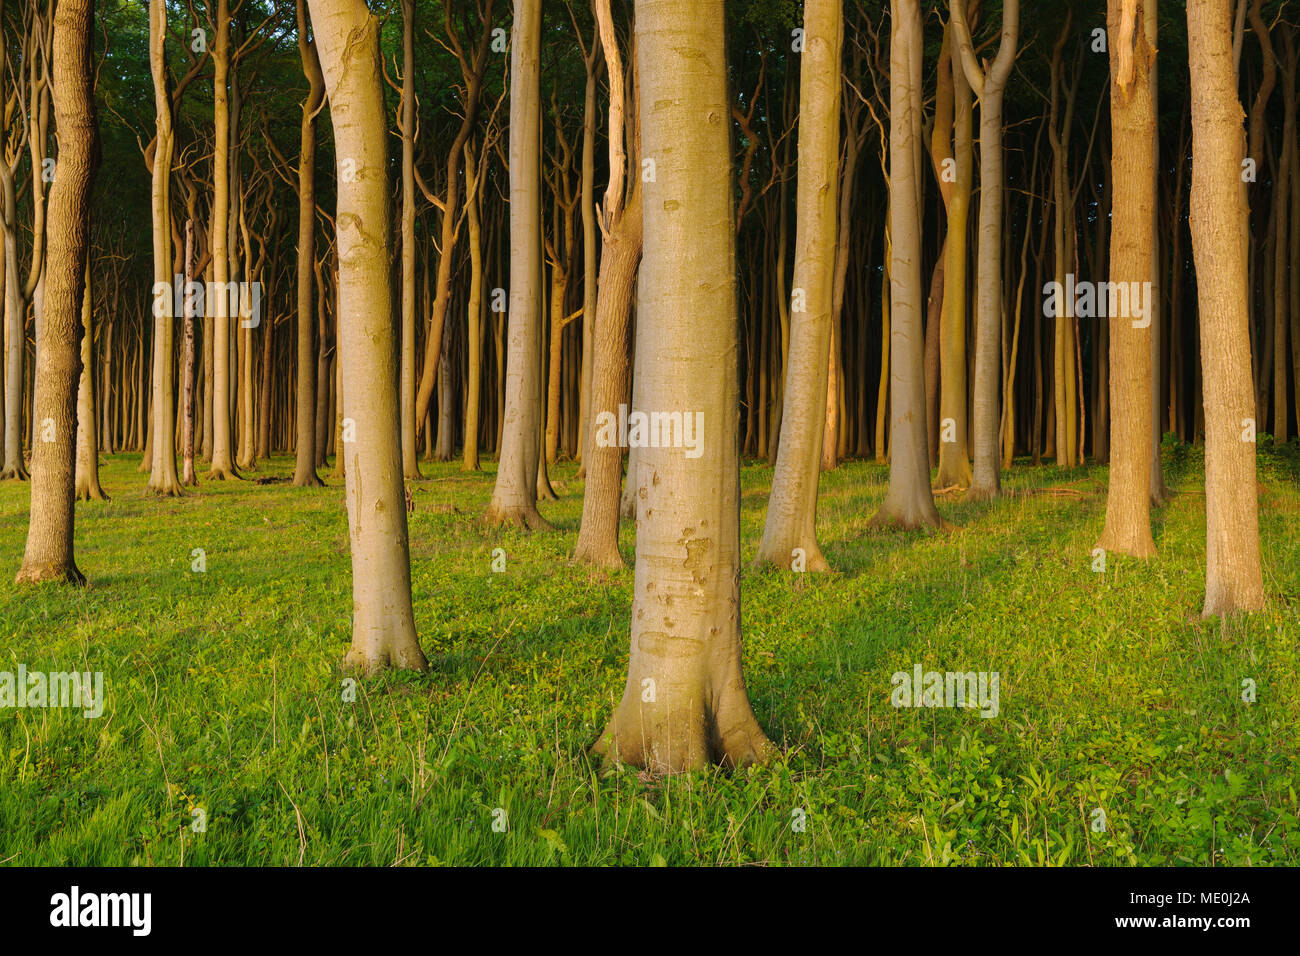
(979,493)
(782,555)
(91,491)
(517,516)
(1127,543)
(598,554)
(222,474)
(307,479)
(905,516)
(62,573)
(13,474)
(691,738)
(400,655)
(1225,602)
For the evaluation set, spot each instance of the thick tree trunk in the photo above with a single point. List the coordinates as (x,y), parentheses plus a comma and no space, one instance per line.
(792,506)
(383,626)
(49,551)
(685,704)
(1232,579)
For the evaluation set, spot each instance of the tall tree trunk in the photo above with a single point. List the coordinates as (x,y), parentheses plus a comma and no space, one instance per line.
(304,470)
(989,88)
(473,315)
(383,625)
(49,551)
(162,472)
(1155,304)
(1128,502)
(909,502)
(222,465)
(954,465)
(1233,580)
(685,705)
(410,454)
(792,506)
(86,479)
(514,499)
(187,364)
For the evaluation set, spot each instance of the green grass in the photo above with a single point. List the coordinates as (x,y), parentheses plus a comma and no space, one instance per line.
(224,689)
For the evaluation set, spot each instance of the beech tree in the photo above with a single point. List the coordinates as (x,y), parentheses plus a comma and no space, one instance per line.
(1232,576)
(790,534)
(685,704)
(908,502)
(514,499)
(383,623)
(48,555)
(989,87)
(1128,503)
(621,227)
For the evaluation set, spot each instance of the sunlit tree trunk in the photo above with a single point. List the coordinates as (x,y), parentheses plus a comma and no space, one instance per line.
(1128,503)
(48,555)
(685,704)
(87,483)
(383,626)
(514,499)
(162,473)
(304,472)
(222,465)
(1232,578)
(989,87)
(620,257)
(909,502)
(790,533)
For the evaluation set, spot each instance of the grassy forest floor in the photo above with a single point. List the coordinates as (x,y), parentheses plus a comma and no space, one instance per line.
(224,691)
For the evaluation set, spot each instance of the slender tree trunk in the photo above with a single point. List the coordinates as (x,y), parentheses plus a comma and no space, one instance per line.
(954,465)
(87,483)
(187,385)
(162,472)
(383,625)
(222,465)
(473,315)
(986,482)
(410,455)
(790,533)
(514,499)
(909,502)
(306,410)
